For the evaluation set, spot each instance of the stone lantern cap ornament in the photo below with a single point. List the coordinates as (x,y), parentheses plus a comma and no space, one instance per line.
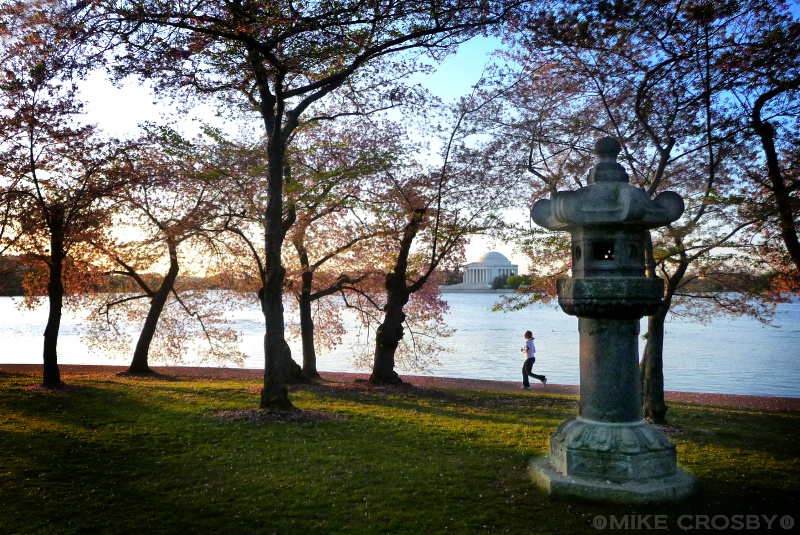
(611,202)
(609,452)
(608,220)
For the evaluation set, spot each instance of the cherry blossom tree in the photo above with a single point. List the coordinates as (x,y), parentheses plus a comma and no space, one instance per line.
(330,163)
(650,75)
(424,215)
(57,174)
(282,58)
(172,211)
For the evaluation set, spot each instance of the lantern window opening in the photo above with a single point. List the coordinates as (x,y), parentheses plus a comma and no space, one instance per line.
(603,250)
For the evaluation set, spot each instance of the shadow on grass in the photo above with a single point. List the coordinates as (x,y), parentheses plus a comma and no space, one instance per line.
(499,408)
(109,458)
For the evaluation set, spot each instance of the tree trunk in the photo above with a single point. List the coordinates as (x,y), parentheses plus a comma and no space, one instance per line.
(652,368)
(387,338)
(780,193)
(139,364)
(275,394)
(309,369)
(51,376)
(652,364)
(307,328)
(389,333)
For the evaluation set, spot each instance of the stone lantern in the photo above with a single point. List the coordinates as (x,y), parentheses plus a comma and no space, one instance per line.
(609,452)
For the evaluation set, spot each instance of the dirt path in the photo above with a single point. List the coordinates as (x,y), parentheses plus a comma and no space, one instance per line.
(724,400)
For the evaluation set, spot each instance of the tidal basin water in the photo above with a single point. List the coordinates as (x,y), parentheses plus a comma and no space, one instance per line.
(733,356)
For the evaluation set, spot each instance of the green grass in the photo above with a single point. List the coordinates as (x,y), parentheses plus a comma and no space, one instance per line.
(125,455)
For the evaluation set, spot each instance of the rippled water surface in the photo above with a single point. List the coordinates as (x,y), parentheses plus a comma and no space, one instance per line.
(735,356)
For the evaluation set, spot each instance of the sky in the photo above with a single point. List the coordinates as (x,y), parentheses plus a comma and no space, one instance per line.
(119,111)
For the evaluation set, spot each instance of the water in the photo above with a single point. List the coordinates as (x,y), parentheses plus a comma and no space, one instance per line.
(733,356)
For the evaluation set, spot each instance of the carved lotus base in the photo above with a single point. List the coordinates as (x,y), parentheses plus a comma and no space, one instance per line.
(612,451)
(622,462)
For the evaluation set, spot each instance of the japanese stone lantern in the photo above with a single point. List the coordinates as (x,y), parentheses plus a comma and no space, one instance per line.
(609,452)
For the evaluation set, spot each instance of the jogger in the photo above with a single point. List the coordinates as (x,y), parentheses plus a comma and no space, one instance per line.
(530,354)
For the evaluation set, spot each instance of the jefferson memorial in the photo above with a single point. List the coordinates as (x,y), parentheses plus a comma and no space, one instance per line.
(479,275)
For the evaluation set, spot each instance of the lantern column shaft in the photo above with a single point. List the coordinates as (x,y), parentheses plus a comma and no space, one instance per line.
(609,368)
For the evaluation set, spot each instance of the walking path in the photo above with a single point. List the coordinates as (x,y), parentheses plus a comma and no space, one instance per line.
(724,400)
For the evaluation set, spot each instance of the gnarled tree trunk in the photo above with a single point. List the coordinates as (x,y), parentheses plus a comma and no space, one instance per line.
(309,369)
(389,333)
(652,363)
(139,364)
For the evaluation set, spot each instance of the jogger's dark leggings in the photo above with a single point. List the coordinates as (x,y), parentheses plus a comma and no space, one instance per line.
(526,371)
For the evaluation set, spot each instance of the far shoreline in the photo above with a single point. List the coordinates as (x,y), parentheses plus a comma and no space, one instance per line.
(743,401)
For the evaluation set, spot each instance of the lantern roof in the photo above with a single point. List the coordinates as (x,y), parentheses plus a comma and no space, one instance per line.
(608,200)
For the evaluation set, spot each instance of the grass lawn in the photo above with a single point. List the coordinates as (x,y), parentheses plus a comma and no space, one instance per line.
(115,454)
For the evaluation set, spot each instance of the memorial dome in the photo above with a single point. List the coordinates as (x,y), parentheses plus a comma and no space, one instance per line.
(494,258)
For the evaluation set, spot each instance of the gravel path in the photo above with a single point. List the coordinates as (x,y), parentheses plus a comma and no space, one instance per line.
(724,400)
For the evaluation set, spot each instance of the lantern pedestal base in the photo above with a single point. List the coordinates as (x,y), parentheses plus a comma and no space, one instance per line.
(630,462)
(665,489)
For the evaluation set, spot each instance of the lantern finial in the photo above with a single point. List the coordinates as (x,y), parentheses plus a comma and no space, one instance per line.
(607,169)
